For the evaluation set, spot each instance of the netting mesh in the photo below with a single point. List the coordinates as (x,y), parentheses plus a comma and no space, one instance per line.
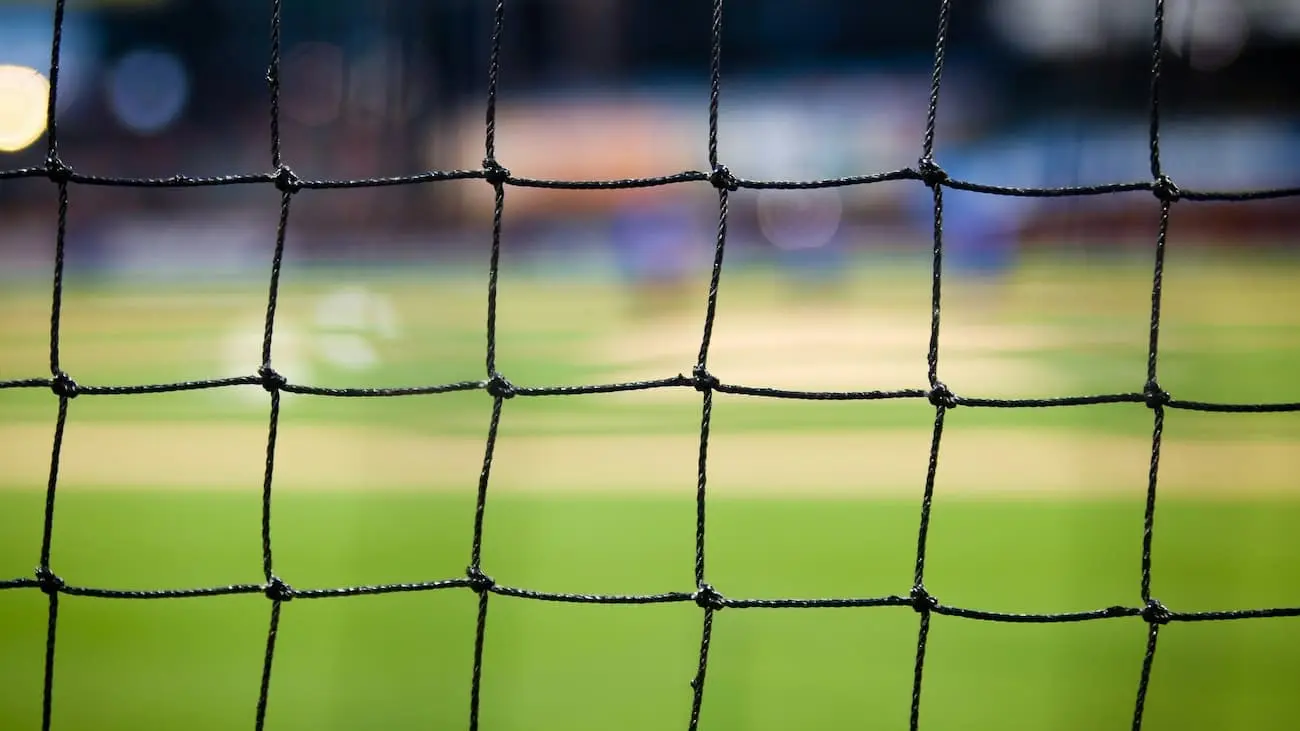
(928,172)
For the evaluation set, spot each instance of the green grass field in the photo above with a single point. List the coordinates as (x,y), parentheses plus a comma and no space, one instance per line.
(1035,510)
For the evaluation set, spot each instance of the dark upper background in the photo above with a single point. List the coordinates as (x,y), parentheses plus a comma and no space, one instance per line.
(1036,92)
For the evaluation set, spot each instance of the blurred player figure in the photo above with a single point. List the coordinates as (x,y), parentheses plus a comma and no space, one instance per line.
(661,248)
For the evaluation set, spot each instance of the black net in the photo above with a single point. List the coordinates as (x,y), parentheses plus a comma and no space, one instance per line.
(928,172)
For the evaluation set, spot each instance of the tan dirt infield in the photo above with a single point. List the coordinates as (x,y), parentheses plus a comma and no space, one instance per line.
(983,462)
(840,348)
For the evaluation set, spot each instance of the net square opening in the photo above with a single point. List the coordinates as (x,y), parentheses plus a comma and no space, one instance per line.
(1226,511)
(1224,674)
(1034,511)
(175,97)
(391,661)
(377,490)
(164,294)
(823,668)
(1017,323)
(368,94)
(413,316)
(542,662)
(122,663)
(824,289)
(814,500)
(1081,675)
(150,497)
(1228,315)
(600,286)
(597,500)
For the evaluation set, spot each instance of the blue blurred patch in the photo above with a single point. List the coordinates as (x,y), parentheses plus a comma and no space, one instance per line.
(660,243)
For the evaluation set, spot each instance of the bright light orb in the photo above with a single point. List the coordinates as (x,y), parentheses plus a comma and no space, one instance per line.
(24,95)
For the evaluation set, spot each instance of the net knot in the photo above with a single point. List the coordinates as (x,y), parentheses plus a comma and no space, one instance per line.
(49,582)
(1155,396)
(1156,613)
(63,386)
(277,590)
(286,180)
(702,380)
(479,581)
(499,387)
(706,597)
(722,179)
(1166,190)
(940,395)
(931,174)
(922,601)
(271,380)
(57,170)
(494,173)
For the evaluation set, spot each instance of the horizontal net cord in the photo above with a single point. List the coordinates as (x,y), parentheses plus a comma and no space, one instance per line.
(509,390)
(285,179)
(55,584)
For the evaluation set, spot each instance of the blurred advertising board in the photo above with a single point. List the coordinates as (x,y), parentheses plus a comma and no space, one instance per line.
(794,129)
(573,138)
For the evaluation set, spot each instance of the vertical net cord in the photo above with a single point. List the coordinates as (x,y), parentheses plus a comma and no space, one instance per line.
(498,387)
(1153,611)
(940,397)
(62,384)
(705,596)
(271,381)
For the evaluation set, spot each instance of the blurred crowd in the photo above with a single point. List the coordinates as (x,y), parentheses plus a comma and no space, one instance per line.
(1035,93)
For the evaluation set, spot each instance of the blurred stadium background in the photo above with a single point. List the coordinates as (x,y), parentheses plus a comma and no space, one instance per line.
(1035,511)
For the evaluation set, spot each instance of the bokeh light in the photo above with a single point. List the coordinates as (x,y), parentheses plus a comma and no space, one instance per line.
(800,219)
(25,37)
(147,90)
(24,93)
(1210,33)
